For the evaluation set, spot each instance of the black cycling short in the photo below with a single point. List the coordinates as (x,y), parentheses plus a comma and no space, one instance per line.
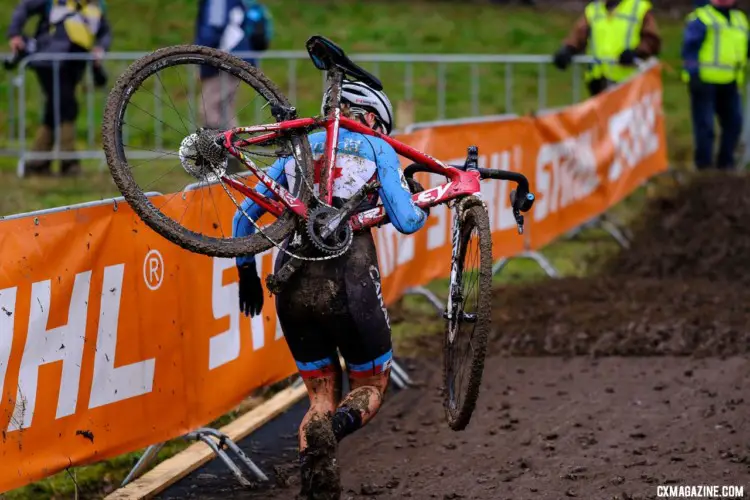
(337,304)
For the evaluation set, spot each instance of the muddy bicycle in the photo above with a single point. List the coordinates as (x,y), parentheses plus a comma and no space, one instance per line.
(202,154)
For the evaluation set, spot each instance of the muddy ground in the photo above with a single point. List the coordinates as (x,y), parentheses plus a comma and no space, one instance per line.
(596,388)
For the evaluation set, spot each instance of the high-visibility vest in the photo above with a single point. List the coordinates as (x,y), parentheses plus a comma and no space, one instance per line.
(723,55)
(80,19)
(611,33)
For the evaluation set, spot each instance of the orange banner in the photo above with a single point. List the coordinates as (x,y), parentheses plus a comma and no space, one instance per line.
(112,338)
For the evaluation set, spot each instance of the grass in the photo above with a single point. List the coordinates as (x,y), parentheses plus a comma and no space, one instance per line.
(359,26)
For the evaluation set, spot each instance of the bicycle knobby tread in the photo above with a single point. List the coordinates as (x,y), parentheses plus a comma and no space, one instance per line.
(473,214)
(130,80)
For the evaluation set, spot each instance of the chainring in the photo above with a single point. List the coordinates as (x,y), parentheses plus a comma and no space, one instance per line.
(318,219)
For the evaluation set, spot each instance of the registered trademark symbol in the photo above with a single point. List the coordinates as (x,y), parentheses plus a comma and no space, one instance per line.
(153,269)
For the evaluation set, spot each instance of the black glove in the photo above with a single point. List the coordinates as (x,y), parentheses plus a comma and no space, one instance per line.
(415,187)
(251,291)
(563,57)
(627,58)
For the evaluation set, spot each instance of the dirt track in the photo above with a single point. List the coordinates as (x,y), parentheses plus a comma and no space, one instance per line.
(599,388)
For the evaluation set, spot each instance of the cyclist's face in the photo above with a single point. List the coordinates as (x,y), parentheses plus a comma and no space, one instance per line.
(371,119)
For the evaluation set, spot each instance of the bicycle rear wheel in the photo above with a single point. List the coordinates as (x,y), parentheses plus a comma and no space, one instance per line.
(154,113)
(468,319)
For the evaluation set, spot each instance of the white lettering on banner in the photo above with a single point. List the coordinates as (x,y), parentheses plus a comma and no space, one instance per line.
(437,233)
(225,346)
(63,343)
(111,384)
(258,329)
(7,320)
(565,173)
(633,133)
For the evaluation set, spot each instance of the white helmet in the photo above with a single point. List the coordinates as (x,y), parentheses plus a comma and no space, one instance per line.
(360,95)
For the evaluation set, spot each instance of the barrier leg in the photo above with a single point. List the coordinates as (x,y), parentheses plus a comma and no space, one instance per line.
(148,456)
(228,461)
(615,231)
(224,439)
(396,370)
(540,259)
(424,292)
(606,223)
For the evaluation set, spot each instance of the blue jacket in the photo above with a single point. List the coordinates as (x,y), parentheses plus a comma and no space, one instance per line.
(355,152)
(692,41)
(215,19)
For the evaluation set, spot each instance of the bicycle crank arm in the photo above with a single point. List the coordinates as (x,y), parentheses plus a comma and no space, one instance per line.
(275,282)
(349,208)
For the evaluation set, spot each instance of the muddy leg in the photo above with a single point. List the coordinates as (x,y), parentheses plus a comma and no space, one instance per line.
(361,404)
(319,470)
(324,393)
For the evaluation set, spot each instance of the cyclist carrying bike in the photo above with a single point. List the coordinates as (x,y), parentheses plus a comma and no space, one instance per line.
(336,305)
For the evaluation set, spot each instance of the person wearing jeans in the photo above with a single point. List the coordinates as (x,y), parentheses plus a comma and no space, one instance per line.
(714,53)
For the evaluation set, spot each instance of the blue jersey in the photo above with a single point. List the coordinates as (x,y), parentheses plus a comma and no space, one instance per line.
(359,160)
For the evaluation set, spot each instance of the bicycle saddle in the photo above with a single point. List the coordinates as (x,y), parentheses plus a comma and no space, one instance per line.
(326,55)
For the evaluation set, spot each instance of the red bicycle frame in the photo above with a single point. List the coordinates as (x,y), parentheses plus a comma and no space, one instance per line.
(461,183)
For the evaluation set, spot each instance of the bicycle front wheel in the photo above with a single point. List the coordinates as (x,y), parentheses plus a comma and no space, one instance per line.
(468,318)
(153,120)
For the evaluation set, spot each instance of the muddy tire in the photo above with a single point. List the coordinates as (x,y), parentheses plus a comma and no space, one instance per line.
(170,229)
(465,341)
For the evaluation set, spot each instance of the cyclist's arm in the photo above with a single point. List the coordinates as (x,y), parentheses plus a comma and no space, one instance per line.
(241,226)
(402,212)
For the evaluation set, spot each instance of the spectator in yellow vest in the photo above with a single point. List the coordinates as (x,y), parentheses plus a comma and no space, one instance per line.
(714,54)
(615,33)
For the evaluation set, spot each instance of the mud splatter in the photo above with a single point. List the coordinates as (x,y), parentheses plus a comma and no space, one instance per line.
(86,434)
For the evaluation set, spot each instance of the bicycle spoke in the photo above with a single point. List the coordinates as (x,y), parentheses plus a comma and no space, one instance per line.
(171,101)
(216,210)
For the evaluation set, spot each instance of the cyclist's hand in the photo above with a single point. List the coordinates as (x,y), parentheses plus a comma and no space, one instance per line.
(563,57)
(251,291)
(415,187)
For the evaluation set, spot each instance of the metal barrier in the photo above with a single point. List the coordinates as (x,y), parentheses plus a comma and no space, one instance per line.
(424,79)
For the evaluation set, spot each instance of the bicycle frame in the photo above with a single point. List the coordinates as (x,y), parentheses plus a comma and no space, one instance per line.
(461,183)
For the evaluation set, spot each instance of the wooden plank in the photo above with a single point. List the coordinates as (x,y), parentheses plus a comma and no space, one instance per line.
(177,467)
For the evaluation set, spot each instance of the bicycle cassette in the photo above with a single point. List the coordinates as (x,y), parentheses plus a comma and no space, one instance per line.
(326,231)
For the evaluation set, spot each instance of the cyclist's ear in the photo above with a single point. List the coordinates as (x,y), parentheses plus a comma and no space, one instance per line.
(372,121)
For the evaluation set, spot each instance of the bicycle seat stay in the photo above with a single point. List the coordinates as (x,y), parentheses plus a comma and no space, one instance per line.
(326,55)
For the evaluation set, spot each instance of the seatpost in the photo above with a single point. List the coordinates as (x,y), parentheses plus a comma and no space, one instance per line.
(334,79)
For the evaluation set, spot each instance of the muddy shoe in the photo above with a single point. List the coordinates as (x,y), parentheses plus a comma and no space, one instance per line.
(319,469)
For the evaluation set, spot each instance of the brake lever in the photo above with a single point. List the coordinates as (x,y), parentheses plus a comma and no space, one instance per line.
(521,204)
